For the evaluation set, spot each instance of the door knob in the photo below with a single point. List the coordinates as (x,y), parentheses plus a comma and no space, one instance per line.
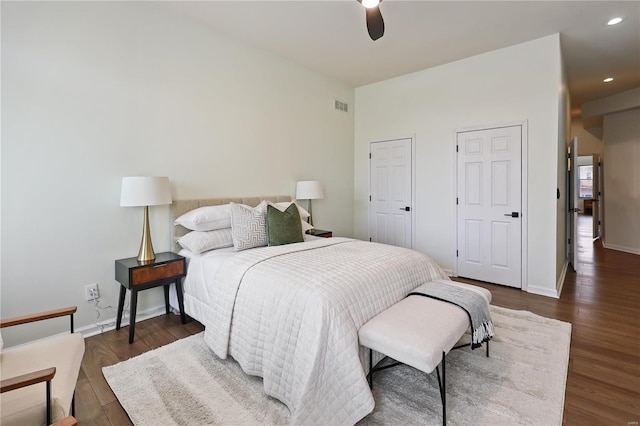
(406,209)
(513,214)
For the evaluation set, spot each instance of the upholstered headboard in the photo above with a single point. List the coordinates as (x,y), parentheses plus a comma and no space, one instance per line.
(180,207)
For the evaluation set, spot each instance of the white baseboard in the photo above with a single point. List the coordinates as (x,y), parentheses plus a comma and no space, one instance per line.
(543,291)
(621,248)
(562,277)
(110,324)
(106,325)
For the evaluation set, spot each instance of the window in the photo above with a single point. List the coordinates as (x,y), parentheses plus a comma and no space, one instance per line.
(585,176)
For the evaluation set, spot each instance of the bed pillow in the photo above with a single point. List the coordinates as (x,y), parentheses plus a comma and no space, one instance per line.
(305,226)
(207,218)
(304,215)
(248,226)
(198,241)
(283,227)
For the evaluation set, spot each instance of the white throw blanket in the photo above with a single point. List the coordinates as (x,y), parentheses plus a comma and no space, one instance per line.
(291,314)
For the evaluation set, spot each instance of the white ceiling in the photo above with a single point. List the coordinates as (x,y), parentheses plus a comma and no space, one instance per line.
(330,37)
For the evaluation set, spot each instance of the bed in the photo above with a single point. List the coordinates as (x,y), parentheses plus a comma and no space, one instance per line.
(290,313)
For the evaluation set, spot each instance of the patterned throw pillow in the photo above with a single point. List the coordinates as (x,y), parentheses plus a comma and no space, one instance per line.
(248,226)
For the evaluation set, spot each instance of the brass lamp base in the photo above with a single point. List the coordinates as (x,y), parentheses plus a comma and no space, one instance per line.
(146,253)
(310,219)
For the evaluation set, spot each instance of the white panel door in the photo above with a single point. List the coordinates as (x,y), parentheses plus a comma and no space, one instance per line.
(390,206)
(574,191)
(489,205)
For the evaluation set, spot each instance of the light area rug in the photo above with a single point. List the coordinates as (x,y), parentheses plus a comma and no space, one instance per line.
(522,382)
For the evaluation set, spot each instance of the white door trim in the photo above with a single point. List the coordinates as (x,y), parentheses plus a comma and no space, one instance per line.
(573,196)
(524,183)
(413,186)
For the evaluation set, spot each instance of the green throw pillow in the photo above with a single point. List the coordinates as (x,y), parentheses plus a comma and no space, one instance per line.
(284,227)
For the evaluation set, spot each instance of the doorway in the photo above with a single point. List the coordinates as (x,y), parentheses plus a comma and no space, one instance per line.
(585,198)
(391,186)
(490,205)
(589,191)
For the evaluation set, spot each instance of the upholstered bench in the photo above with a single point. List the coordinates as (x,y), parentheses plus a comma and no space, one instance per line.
(419,331)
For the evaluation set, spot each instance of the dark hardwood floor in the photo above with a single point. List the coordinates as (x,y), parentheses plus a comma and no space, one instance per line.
(601,300)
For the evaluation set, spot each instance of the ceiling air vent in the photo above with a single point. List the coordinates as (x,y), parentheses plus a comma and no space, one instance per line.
(340,106)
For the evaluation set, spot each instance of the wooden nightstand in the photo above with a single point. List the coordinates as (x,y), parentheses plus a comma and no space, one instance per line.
(167,268)
(320,233)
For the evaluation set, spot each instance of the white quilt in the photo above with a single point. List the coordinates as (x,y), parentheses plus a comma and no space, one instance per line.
(291,315)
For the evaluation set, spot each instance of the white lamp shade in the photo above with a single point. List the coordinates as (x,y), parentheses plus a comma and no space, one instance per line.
(145,191)
(309,190)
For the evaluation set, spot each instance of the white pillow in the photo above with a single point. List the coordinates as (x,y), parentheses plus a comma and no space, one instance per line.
(306,227)
(198,241)
(282,206)
(248,226)
(207,218)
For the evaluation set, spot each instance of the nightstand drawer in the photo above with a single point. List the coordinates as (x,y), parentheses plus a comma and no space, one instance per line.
(158,272)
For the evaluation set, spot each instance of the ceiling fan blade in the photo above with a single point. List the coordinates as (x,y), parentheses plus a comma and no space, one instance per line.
(375,23)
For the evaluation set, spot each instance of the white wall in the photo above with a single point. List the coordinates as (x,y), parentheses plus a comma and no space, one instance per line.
(93,91)
(505,86)
(622,181)
(589,141)
(564,133)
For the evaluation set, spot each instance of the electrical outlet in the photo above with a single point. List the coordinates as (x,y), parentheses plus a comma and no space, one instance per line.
(91,292)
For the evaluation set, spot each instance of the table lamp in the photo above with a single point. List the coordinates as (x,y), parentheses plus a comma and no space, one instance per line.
(145,191)
(309,190)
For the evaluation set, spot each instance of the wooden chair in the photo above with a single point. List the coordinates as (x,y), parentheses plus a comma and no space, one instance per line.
(39,377)
(67,421)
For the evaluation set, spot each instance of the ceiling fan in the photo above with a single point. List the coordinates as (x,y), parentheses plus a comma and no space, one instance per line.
(375,23)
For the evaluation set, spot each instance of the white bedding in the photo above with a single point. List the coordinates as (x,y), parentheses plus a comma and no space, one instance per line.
(196,296)
(291,315)
(196,299)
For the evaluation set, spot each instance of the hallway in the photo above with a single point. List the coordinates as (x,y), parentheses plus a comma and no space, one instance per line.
(603,385)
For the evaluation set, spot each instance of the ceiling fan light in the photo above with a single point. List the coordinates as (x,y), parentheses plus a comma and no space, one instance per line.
(370,3)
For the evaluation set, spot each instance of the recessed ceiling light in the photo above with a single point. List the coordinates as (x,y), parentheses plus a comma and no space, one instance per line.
(608,79)
(614,21)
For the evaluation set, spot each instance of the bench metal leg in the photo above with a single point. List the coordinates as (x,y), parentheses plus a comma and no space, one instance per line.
(464,345)
(442,385)
(442,380)
(444,391)
(371,369)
